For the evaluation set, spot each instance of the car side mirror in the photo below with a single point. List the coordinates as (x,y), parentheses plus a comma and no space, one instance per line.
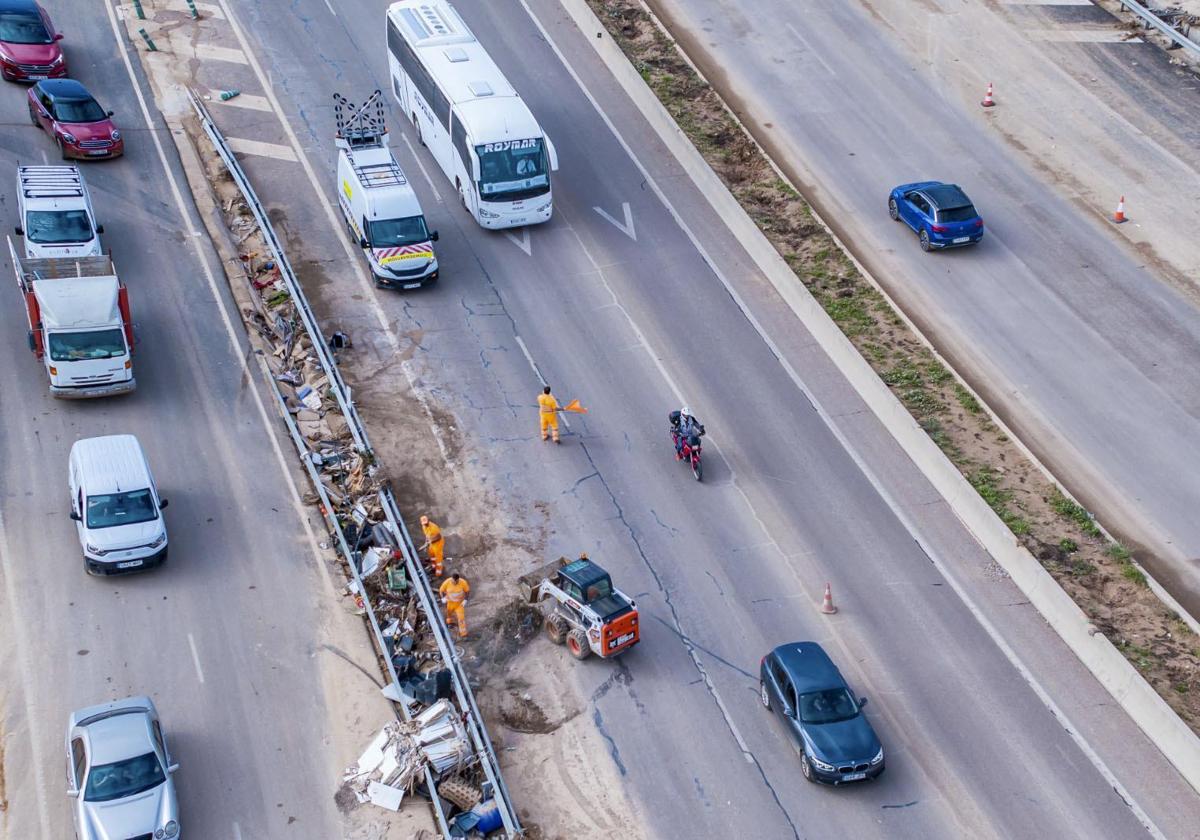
(433,237)
(173,767)
(99,228)
(363,243)
(19,231)
(862,702)
(73,792)
(58,36)
(788,711)
(76,516)
(162,503)
(110,113)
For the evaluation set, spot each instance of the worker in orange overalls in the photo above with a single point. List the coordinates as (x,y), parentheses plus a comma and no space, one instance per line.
(435,542)
(548,409)
(454,594)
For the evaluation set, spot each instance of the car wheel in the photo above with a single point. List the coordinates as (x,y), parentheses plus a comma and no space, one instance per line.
(893,210)
(556,628)
(925,245)
(763,695)
(806,768)
(33,118)
(62,149)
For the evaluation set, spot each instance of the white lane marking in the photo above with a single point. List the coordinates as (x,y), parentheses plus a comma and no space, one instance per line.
(243,100)
(209,52)
(205,9)
(626,228)
(523,243)
(529,358)
(901,515)
(33,704)
(1081,36)
(421,166)
(406,366)
(795,33)
(237,832)
(258,147)
(45,158)
(195,657)
(329,6)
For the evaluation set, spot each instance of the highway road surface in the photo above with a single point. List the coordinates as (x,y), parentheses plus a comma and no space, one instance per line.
(230,636)
(614,302)
(1072,334)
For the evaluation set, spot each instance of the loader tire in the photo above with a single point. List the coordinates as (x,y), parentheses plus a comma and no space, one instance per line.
(556,628)
(577,644)
(460,792)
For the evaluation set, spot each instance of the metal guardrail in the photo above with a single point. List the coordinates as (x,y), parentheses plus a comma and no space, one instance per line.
(1151,19)
(473,719)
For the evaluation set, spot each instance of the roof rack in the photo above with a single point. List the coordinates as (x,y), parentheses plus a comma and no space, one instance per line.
(50,181)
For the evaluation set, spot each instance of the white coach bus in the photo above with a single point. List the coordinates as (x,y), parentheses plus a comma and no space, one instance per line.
(475,125)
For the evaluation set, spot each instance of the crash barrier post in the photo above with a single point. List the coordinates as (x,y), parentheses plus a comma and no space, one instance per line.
(1150,18)
(149,43)
(137,10)
(484,752)
(191,4)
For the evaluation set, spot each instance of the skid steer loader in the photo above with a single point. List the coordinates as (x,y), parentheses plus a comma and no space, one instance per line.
(582,608)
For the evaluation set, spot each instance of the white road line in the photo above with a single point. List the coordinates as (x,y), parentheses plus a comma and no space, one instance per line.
(209,52)
(258,147)
(529,358)
(421,166)
(195,657)
(205,9)
(523,242)
(885,496)
(795,33)
(626,228)
(1082,36)
(329,6)
(45,157)
(237,832)
(244,100)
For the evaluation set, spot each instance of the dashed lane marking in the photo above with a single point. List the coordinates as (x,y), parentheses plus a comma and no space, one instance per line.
(243,100)
(209,52)
(258,147)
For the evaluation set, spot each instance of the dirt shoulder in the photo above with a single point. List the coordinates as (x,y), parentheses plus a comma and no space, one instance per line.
(1097,573)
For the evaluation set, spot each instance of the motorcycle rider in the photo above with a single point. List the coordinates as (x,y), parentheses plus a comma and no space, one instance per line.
(686,428)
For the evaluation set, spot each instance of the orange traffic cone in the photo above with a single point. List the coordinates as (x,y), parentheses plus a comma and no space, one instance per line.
(1119,216)
(827,606)
(988,102)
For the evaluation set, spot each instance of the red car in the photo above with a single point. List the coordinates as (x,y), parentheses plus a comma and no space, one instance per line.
(29,50)
(67,112)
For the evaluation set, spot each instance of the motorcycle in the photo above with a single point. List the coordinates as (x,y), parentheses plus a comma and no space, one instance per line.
(688,450)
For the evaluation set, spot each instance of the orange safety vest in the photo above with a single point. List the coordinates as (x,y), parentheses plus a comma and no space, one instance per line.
(455,593)
(432,532)
(548,403)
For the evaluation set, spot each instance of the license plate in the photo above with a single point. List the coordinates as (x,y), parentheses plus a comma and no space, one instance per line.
(854,777)
(961,239)
(628,637)
(37,78)
(97,152)
(412,285)
(515,222)
(129,564)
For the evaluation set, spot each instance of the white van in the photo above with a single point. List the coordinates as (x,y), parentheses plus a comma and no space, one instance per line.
(56,213)
(379,204)
(115,505)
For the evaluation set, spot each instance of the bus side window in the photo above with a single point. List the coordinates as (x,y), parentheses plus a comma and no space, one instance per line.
(458,135)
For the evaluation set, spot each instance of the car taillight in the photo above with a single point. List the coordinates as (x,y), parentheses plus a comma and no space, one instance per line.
(939,228)
(979,223)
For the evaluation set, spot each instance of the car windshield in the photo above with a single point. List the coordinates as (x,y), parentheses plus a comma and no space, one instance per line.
(512,170)
(129,508)
(957,214)
(78,111)
(107,782)
(58,227)
(18,28)
(828,706)
(81,346)
(393,233)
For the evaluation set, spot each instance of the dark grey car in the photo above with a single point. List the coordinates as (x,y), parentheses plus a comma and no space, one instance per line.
(800,683)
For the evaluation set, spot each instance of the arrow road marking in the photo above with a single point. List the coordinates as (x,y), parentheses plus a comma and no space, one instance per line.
(626,228)
(523,242)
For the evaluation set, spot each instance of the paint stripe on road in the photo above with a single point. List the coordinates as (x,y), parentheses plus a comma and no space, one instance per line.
(205,9)
(195,657)
(1082,36)
(258,147)
(209,52)
(242,100)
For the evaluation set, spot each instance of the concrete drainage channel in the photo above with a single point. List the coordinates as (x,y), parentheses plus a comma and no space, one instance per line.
(440,742)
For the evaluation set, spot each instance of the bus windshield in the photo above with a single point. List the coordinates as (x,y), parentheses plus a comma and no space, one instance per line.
(512,170)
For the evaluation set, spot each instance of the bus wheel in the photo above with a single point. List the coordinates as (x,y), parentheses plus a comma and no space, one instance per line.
(462,196)
(417,126)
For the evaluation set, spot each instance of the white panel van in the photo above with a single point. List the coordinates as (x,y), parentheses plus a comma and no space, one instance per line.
(56,213)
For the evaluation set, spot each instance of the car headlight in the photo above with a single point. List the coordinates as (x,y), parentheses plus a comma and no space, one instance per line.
(70,138)
(878,757)
(57,61)
(171,829)
(162,538)
(820,765)
(488,214)
(116,135)
(91,549)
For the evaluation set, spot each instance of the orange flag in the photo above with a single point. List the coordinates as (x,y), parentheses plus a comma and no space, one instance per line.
(574,406)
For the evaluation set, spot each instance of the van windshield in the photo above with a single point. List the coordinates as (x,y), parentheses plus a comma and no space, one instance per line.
(114,509)
(81,346)
(58,227)
(395,233)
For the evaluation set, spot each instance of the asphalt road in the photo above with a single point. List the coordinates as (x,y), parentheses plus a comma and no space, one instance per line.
(1070,333)
(226,636)
(726,569)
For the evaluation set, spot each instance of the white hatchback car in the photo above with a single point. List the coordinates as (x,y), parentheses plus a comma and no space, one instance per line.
(119,772)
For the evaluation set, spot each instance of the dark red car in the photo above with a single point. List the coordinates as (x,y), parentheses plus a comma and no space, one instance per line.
(65,110)
(29,50)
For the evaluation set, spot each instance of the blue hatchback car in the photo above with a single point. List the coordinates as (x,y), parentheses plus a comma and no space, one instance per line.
(800,683)
(941,214)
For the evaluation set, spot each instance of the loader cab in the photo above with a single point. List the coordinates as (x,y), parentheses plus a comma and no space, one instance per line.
(584,581)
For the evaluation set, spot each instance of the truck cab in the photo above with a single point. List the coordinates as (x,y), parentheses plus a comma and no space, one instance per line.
(381,209)
(57,219)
